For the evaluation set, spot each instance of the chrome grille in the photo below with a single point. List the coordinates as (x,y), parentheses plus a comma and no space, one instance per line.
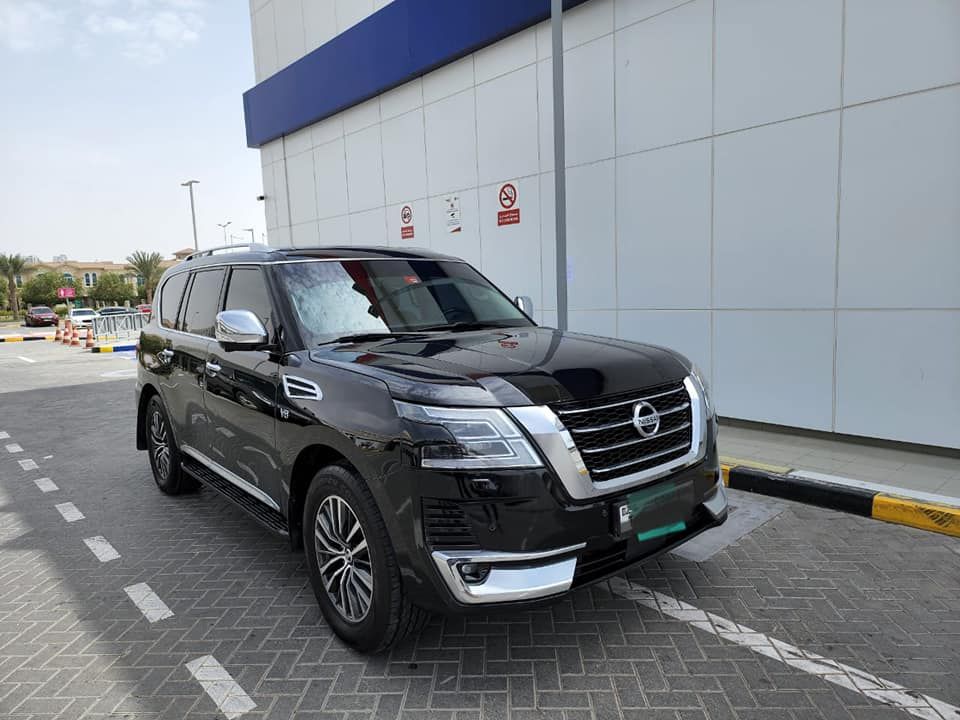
(611,446)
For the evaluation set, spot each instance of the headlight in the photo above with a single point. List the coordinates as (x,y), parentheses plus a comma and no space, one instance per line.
(704,385)
(480,438)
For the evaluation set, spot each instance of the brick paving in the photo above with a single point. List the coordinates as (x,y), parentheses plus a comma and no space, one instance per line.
(882,598)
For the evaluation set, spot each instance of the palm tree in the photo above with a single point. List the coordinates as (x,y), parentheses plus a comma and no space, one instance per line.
(10,267)
(147,266)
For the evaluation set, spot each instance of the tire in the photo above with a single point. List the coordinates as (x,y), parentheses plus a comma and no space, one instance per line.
(388,615)
(162,449)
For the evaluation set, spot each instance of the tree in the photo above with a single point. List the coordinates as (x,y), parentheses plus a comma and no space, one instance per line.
(111,287)
(10,267)
(42,289)
(147,266)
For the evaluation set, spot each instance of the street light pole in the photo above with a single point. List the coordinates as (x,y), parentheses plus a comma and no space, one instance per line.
(193,213)
(559,162)
(224,226)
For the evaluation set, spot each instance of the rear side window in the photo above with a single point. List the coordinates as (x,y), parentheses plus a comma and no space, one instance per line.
(203,302)
(248,291)
(170,300)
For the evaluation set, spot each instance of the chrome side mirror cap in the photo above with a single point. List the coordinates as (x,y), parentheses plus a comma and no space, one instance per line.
(240,329)
(525,304)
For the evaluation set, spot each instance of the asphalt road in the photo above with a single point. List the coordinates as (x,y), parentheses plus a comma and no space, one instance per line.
(878,604)
(42,364)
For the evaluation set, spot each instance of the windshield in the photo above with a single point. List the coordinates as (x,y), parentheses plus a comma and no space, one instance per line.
(83,312)
(41,309)
(337,298)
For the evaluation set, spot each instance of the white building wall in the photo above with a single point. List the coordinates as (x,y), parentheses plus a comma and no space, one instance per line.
(773,188)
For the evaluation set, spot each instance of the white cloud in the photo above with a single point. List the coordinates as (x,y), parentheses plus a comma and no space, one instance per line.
(28,25)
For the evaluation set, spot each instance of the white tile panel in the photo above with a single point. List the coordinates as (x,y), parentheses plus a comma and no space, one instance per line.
(290,36)
(775,215)
(898,375)
(512,53)
(451,143)
(776,59)
(775,366)
(334,231)
(686,331)
(404,157)
(511,253)
(298,142)
(305,235)
(591,254)
(326,130)
(281,196)
(361,116)
(900,216)
(448,80)
(663,228)
(402,99)
(628,12)
(303,194)
(329,162)
(269,198)
(507,126)
(464,244)
(898,46)
(420,224)
(593,322)
(279,237)
(586,22)
(663,78)
(265,42)
(364,169)
(350,12)
(319,22)
(369,228)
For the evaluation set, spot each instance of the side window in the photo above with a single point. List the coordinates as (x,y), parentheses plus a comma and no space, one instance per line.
(201,310)
(248,291)
(170,296)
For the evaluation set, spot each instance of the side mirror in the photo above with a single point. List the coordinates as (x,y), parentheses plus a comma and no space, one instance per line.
(240,330)
(525,304)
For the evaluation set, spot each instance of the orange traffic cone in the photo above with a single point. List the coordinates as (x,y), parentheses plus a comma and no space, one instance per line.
(59,336)
(75,340)
(89,343)
(66,333)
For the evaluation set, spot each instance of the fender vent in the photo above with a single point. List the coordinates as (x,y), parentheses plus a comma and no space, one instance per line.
(297,388)
(446,526)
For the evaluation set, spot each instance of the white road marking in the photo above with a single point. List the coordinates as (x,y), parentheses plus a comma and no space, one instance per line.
(47,457)
(873,687)
(220,686)
(28,464)
(149,603)
(101,548)
(46,485)
(14,448)
(26,359)
(4,435)
(69,511)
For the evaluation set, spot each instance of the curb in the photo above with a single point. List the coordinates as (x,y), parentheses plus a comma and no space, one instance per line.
(24,338)
(113,348)
(891,508)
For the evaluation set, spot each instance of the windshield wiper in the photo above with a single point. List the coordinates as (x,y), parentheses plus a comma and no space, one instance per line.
(360,337)
(459,326)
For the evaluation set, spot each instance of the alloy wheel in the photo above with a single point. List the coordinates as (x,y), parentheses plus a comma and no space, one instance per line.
(344,558)
(159,439)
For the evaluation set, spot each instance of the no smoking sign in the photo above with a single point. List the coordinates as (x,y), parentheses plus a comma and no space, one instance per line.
(508,196)
(406,222)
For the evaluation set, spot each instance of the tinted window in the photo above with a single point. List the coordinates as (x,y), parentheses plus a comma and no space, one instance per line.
(248,291)
(170,300)
(203,302)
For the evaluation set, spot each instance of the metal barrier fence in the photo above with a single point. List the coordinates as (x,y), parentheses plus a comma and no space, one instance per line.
(115,327)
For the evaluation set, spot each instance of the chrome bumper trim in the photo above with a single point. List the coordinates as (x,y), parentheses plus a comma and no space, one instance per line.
(520,575)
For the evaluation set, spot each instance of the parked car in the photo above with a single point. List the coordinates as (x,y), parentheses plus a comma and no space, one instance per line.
(116,310)
(82,316)
(40,315)
(417,434)
(144,308)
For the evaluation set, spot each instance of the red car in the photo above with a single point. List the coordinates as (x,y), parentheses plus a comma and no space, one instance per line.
(40,315)
(144,308)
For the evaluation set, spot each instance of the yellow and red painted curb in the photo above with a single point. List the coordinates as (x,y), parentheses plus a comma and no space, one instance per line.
(779,481)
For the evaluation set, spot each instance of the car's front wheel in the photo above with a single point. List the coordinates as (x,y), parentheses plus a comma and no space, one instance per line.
(164,455)
(351,562)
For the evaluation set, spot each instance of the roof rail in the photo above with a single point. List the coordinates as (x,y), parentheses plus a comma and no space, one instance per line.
(250,247)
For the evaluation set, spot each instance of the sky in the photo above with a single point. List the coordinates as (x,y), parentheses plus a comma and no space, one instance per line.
(106,106)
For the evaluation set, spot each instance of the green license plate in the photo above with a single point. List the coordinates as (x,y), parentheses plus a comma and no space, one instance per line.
(656,511)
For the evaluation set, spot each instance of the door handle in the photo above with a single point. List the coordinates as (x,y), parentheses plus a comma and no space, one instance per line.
(212,368)
(165,354)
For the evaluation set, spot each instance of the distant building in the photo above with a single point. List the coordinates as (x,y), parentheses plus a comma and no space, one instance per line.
(87,272)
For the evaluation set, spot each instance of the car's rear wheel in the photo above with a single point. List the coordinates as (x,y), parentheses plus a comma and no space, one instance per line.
(164,455)
(351,562)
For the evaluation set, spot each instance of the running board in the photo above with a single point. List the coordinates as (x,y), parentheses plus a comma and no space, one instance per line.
(259,511)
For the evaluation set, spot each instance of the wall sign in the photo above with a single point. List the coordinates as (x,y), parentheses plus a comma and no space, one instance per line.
(507,196)
(406,222)
(452,211)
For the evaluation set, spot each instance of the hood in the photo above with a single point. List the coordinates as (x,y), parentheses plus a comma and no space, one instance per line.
(515,366)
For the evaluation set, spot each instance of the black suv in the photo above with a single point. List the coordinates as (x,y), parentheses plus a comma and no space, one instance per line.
(426,443)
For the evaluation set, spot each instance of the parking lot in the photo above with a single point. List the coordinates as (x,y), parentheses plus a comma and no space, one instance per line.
(789,611)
